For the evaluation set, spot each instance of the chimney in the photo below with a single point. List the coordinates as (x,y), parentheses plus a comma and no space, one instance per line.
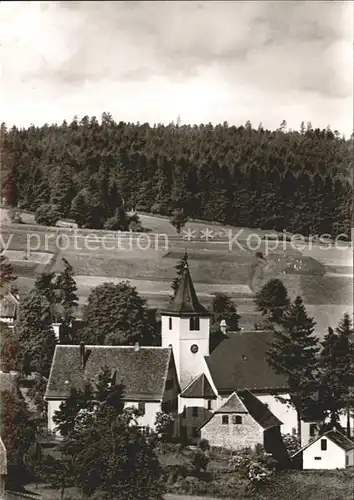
(82,355)
(136,347)
(56,329)
(223,326)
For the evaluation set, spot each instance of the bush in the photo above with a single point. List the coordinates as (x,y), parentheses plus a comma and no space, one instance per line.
(47,214)
(14,216)
(292,443)
(204,444)
(199,461)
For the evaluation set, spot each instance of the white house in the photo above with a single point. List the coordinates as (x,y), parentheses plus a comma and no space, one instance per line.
(331,450)
(147,373)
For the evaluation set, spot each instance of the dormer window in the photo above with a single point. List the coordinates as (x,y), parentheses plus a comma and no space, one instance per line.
(194,324)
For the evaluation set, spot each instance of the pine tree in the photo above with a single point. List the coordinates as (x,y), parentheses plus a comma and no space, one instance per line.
(345,333)
(178,219)
(6,274)
(273,300)
(180,266)
(35,334)
(293,353)
(18,435)
(65,284)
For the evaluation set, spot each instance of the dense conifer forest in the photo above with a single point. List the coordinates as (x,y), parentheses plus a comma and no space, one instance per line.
(90,169)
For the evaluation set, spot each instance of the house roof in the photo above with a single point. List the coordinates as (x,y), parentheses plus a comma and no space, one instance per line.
(258,410)
(143,370)
(199,388)
(186,300)
(3,459)
(9,306)
(246,402)
(335,436)
(240,362)
(233,404)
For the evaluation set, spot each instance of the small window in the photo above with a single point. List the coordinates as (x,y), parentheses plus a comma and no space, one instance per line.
(323,444)
(194,324)
(318,458)
(141,407)
(195,411)
(346,460)
(313,430)
(170,323)
(209,404)
(225,419)
(237,419)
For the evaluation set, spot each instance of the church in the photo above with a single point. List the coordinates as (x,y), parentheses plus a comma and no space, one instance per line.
(182,376)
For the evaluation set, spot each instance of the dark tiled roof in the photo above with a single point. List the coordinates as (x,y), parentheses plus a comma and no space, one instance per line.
(186,300)
(143,372)
(340,439)
(199,388)
(3,459)
(9,306)
(232,405)
(337,437)
(240,362)
(258,410)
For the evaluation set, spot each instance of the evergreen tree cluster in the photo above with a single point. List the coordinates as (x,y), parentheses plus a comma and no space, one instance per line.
(92,170)
(320,375)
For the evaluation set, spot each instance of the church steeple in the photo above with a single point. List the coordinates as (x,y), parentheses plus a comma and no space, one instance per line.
(185,326)
(185,301)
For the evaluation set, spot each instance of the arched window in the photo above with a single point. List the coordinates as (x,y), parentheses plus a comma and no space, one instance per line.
(194,324)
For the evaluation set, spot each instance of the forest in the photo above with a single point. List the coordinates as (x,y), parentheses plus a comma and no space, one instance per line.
(90,170)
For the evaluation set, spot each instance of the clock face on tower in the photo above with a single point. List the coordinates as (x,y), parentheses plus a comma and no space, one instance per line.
(194,348)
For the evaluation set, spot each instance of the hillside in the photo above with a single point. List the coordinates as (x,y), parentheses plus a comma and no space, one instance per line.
(322,276)
(247,177)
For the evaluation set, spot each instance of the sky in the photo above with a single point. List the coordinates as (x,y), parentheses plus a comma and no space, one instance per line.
(202,61)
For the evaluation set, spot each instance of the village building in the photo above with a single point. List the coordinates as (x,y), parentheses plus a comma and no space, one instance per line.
(243,421)
(331,450)
(203,379)
(148,375)
(9,309)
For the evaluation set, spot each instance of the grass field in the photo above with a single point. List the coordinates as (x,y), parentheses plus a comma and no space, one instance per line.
(322,276)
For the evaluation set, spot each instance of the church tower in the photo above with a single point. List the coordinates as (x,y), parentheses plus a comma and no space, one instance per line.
(185,326)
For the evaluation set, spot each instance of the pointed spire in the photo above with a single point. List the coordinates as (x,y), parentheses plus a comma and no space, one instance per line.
(186,301)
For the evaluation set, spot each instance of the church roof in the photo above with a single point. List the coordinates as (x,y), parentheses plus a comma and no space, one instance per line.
(9,306)
(142,370)
(185,300)
(240,362)
(199,388)
(233,404)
